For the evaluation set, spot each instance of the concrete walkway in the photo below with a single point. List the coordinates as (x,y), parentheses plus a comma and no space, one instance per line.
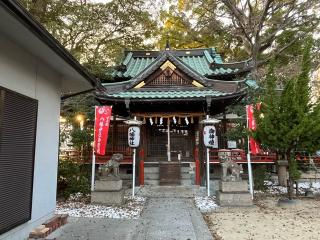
(170,213)
(172,218)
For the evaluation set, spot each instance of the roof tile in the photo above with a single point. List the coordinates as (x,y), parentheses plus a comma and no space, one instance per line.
(167,94)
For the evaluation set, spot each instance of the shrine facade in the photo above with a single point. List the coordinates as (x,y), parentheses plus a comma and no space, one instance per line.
(171,92)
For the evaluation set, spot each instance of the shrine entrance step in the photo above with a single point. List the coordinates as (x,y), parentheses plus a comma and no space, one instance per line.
(169,173)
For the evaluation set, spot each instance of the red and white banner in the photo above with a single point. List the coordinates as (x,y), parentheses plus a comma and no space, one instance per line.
(252,125)
(101,128)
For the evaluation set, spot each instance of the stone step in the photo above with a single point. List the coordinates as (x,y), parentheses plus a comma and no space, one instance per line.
(151,182)
(185,175)
(156,176)
(151,169)
(151,176)
(185,169)
(186,182)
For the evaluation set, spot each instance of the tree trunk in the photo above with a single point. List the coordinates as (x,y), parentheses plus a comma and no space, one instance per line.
(282,172)
(290,187)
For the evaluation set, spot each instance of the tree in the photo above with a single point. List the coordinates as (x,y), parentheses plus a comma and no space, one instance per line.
(262,28)
(289,121)
(95,33)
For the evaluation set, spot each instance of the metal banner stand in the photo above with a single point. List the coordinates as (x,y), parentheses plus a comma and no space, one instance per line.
(208,172)
(133,171)
(209,135)
(249,159)
(134,141)
(93,162)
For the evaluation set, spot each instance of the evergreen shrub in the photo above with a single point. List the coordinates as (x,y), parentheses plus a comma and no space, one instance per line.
(72,178)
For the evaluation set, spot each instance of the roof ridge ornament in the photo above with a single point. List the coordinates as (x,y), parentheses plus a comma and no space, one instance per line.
(167,45)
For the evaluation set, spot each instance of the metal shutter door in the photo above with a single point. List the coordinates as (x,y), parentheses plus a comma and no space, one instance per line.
(18,119)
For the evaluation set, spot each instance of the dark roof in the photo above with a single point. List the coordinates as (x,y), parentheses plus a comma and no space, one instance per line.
(169,94)
(206,62)
(15,9)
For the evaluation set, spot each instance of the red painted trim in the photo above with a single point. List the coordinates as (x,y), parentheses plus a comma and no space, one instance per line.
(141,176)
(197,180)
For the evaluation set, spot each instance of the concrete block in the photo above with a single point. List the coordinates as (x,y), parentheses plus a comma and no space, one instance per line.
(64,218)
(108,185)
(234,199)
(37,233)
(39,228)
(241,186)
(109,198)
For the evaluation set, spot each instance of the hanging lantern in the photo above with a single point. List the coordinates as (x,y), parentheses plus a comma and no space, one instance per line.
(186,120)
(174,120)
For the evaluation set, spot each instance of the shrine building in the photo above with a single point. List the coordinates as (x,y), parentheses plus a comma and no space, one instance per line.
(171,92)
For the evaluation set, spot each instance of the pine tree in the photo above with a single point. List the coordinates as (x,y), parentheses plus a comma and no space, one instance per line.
(287,121)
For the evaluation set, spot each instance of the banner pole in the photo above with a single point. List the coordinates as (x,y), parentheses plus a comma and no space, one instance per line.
(93,162)
(208,168)
(133,171)
(208,173)
(249,157)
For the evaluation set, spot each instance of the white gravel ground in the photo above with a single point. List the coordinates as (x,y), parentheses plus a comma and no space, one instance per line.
(132,209)
(275,189)
(205,204)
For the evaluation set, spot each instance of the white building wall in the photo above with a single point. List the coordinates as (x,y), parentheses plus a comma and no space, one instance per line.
(23,73)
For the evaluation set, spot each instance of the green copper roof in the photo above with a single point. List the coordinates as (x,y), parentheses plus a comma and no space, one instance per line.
(252,83)
(200,63)
(168,94)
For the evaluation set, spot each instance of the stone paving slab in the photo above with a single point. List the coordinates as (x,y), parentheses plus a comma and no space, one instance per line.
(96,229)
(170,214)
(172,219)
(170,191)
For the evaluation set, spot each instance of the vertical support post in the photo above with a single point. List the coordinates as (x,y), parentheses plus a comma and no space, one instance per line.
(93,169)
(197,172)
(169,147)
(208,172)
(249,159)
(141,172)
(133,171)
(197,163)
(208,168)
(93,162)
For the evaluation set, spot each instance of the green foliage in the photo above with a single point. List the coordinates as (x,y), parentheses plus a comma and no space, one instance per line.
(259,178)
(72,178)
(81,139)
(95,33)
(287,121)
(71,109)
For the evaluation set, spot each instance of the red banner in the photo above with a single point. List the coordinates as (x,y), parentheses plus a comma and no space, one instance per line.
(254,146)
(101,128)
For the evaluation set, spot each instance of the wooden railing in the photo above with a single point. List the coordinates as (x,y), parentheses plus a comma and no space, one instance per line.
(239,156)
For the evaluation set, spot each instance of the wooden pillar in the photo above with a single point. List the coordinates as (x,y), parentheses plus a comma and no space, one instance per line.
(224,129)
(144,140)
(141,172)
(201,153)
(114,132)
